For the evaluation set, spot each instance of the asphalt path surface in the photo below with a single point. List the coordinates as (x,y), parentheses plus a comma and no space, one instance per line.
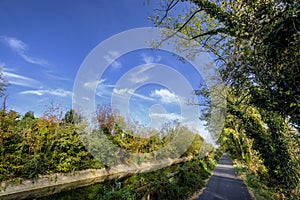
(224,184)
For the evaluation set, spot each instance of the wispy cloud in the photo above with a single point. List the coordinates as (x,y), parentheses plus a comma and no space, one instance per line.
(169,116)
(123,91)
(55,92)
(126,91)
(2,65)
(150,59)
(111,58)
(100,87)
(20,80)
(15,44)
(20,47)
(165,96)
(54,76)
(93,84)
(140,75)
(134,78)
(142,97)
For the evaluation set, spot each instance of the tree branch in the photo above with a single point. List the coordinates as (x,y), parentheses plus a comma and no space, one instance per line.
(215,11)
(212,32)
(169,7)
(178,30)
(189,19)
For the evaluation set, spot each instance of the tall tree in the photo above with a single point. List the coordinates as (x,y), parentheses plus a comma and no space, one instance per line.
(3,83)
(72,117)
(256,44)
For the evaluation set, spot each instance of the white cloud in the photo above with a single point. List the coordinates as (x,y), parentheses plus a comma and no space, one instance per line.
(86,98)
(2,65)
(57,92)
(168,116)
(165,96)
(52,75)
(93,84)
(123,91)
(3,68)
(145,68)
(16,44)
(100,86)
(20,47)
(138,79)
(126,91)
(140,76)
(143,97)
(20,80)
(35,92)
(103,89)
(150,59)
(32,60)
(111,59)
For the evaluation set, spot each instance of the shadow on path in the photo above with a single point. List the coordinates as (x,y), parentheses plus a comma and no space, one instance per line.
(224,184)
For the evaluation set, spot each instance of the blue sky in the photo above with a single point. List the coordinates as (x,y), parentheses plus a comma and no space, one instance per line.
(43,44)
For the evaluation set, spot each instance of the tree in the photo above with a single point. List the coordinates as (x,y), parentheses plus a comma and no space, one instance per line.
(72,117)
(29,114)
(256,44)
(3,84)
(107,118)
(271,137)
(195,146)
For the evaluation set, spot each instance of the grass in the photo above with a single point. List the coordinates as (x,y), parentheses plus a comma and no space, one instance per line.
(260,190)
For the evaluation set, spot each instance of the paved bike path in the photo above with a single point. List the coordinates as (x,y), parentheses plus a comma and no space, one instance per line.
(224,184)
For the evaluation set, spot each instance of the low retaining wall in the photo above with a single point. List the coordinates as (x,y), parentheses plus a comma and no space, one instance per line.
(55,183)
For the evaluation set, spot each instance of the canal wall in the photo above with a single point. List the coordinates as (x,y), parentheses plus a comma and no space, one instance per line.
(50,184)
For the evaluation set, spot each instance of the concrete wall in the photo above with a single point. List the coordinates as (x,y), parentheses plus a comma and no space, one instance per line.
(54,183)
